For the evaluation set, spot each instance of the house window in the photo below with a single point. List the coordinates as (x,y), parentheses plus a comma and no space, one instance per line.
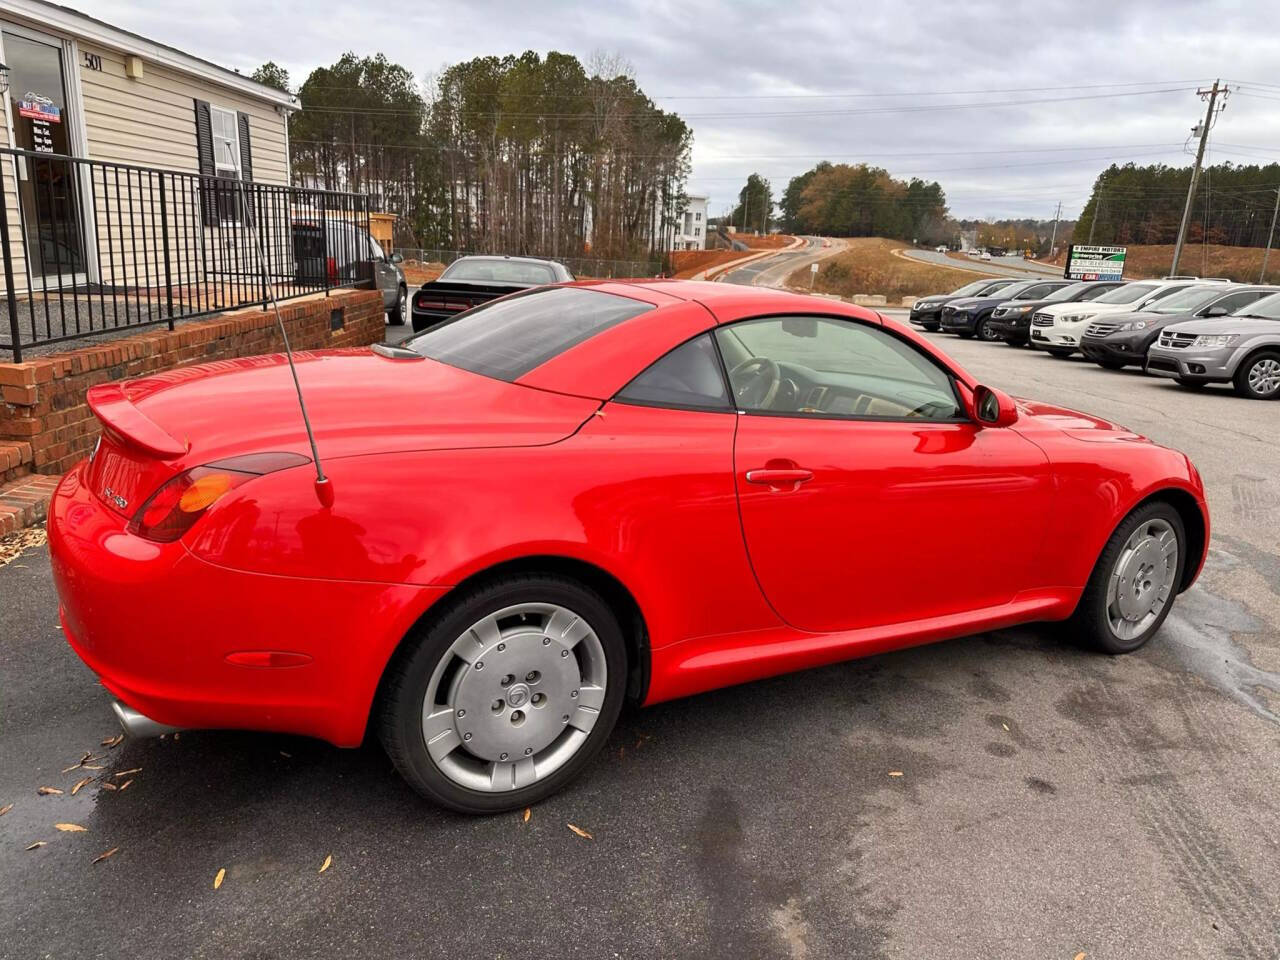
(698,215)
(226,160)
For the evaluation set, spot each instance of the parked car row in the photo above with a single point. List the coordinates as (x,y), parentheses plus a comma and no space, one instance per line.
(1195,330)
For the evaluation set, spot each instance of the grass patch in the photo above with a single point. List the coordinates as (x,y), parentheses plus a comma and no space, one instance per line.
(868,265)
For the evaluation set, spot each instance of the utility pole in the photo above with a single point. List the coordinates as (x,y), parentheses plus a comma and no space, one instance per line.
(1054,237)
(1267,253)
(1097,207)
(1212,95)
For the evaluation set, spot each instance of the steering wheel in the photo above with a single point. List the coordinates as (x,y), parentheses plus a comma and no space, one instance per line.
(762,388)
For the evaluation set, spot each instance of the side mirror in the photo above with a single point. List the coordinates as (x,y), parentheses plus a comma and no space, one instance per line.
(1216,312)
(396,258)
(993,408)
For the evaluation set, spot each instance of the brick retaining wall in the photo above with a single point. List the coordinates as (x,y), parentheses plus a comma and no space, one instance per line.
(46,426)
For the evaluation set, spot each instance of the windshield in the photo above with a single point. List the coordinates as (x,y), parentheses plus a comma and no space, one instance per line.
(1186,301)
(970,289)
(992,286)
(1073,291)
(1128,293)
(507,338)
(495,270)
(1015,289)
(1268,308)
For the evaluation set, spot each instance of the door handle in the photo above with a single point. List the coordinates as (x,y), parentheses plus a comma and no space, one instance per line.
(780,478)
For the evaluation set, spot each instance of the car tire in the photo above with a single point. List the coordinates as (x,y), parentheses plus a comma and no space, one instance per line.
(1190,384)
(1258,378)
(1122,583)
(430,680)
(398,313)
(929,327)
(1060,353)
(1109,364)
(983,330)
(965,334)
(1009,342)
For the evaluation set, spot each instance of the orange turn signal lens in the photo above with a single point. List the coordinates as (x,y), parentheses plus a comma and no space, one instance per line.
(204,491)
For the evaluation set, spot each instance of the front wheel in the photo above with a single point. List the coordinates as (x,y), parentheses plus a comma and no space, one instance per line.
(1134,582)
(984,331)
(1259,376)
(506,696)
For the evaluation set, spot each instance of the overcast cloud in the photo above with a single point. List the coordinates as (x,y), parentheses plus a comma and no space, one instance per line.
(714,62)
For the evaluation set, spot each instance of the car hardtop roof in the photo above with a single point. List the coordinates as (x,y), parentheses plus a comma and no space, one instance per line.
(727,299)
(503,256)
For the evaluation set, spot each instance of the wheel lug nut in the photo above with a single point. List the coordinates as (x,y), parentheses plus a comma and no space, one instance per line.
(502,756)
(502,646)
(565,718)
(466,736)
(506,679)
(564,653)
(479,664)
(532,676)
(546,641)
(528,750)
(462,713)
(496,707)
(574,695)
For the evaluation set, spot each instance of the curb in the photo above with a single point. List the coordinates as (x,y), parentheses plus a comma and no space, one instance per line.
(25,502)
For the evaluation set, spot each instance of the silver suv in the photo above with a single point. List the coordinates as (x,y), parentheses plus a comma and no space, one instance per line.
(1242,349)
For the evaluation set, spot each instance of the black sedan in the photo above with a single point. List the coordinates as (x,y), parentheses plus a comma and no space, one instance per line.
(1118,340)
(927,311)
(1011,322)
(473,280)
(971,316)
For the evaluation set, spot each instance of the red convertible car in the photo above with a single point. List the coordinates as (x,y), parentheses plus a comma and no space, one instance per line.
(578,496)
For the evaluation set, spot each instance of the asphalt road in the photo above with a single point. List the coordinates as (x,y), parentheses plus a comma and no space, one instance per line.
(1050,803)
(773,271)
(996,267)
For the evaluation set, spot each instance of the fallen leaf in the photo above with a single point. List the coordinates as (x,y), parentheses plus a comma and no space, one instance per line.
(895,773)
(84,781)
(90,766)
(1006,726)
(125,786)
(38,843)
(580,832)
(47,791)
(1081,955)
(70,827)
(328,862)
(217,880)
(113,741)
(527,814)
(125,773)
(5,809)
(103,856)
(106,785)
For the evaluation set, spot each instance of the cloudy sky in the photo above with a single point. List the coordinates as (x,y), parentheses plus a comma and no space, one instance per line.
(1012,106)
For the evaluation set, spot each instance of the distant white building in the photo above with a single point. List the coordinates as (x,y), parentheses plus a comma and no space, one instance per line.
(689,232)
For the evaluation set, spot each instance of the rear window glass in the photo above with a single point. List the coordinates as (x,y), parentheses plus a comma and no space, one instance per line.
(499,271)
(507,338)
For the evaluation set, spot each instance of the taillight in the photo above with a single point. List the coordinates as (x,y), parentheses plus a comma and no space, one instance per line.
(180,502)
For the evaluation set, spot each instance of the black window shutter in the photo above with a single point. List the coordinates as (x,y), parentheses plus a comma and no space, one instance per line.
(204,157)
(246,161)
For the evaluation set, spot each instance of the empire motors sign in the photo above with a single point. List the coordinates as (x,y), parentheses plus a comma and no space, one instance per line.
(1088,262)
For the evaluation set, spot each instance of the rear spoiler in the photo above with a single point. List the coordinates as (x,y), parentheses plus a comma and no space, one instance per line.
(123,420)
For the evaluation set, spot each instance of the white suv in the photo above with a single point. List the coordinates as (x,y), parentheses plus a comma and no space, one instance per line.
(1058,327)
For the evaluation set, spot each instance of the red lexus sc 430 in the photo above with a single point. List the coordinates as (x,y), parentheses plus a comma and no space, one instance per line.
(577,496)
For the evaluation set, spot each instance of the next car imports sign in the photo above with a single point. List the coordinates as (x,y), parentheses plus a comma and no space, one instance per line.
(1087,262)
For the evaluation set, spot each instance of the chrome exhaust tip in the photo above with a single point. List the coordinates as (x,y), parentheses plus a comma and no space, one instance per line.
(139,725)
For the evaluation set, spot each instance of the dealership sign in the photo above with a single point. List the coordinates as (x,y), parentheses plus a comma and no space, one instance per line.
(39,108)
(1087,262)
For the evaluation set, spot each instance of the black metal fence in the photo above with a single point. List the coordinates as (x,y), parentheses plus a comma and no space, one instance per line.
(90,248)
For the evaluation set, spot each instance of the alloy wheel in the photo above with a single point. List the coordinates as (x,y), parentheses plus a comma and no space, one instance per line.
(1141,580)
(514,697)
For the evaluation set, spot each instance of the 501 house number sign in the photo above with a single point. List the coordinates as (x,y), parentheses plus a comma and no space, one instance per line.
(93,61)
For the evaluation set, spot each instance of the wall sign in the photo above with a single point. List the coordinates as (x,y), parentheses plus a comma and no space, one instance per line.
(1089,262)
(92,61)
(41,136)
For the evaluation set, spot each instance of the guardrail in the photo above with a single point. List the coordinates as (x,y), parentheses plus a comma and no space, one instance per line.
(90,247)
(578,266)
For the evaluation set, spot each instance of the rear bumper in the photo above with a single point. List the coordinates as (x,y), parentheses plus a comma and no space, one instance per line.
(426,319)
(157,625)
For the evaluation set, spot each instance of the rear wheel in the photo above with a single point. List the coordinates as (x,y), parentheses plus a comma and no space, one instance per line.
(399,311)
(505,697)
(1259,376)
(1134,582)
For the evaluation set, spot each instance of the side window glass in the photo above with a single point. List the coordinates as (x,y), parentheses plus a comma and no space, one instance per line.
(688,376)
(1238,300)
(820,366)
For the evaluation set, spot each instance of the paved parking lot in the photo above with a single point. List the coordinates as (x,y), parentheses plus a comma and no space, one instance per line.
(1050,802)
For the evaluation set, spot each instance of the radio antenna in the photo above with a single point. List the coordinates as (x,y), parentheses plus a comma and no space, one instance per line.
(323,485)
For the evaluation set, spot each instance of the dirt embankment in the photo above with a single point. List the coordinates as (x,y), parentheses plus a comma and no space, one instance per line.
(688,263)
(767,241)
(869,265)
